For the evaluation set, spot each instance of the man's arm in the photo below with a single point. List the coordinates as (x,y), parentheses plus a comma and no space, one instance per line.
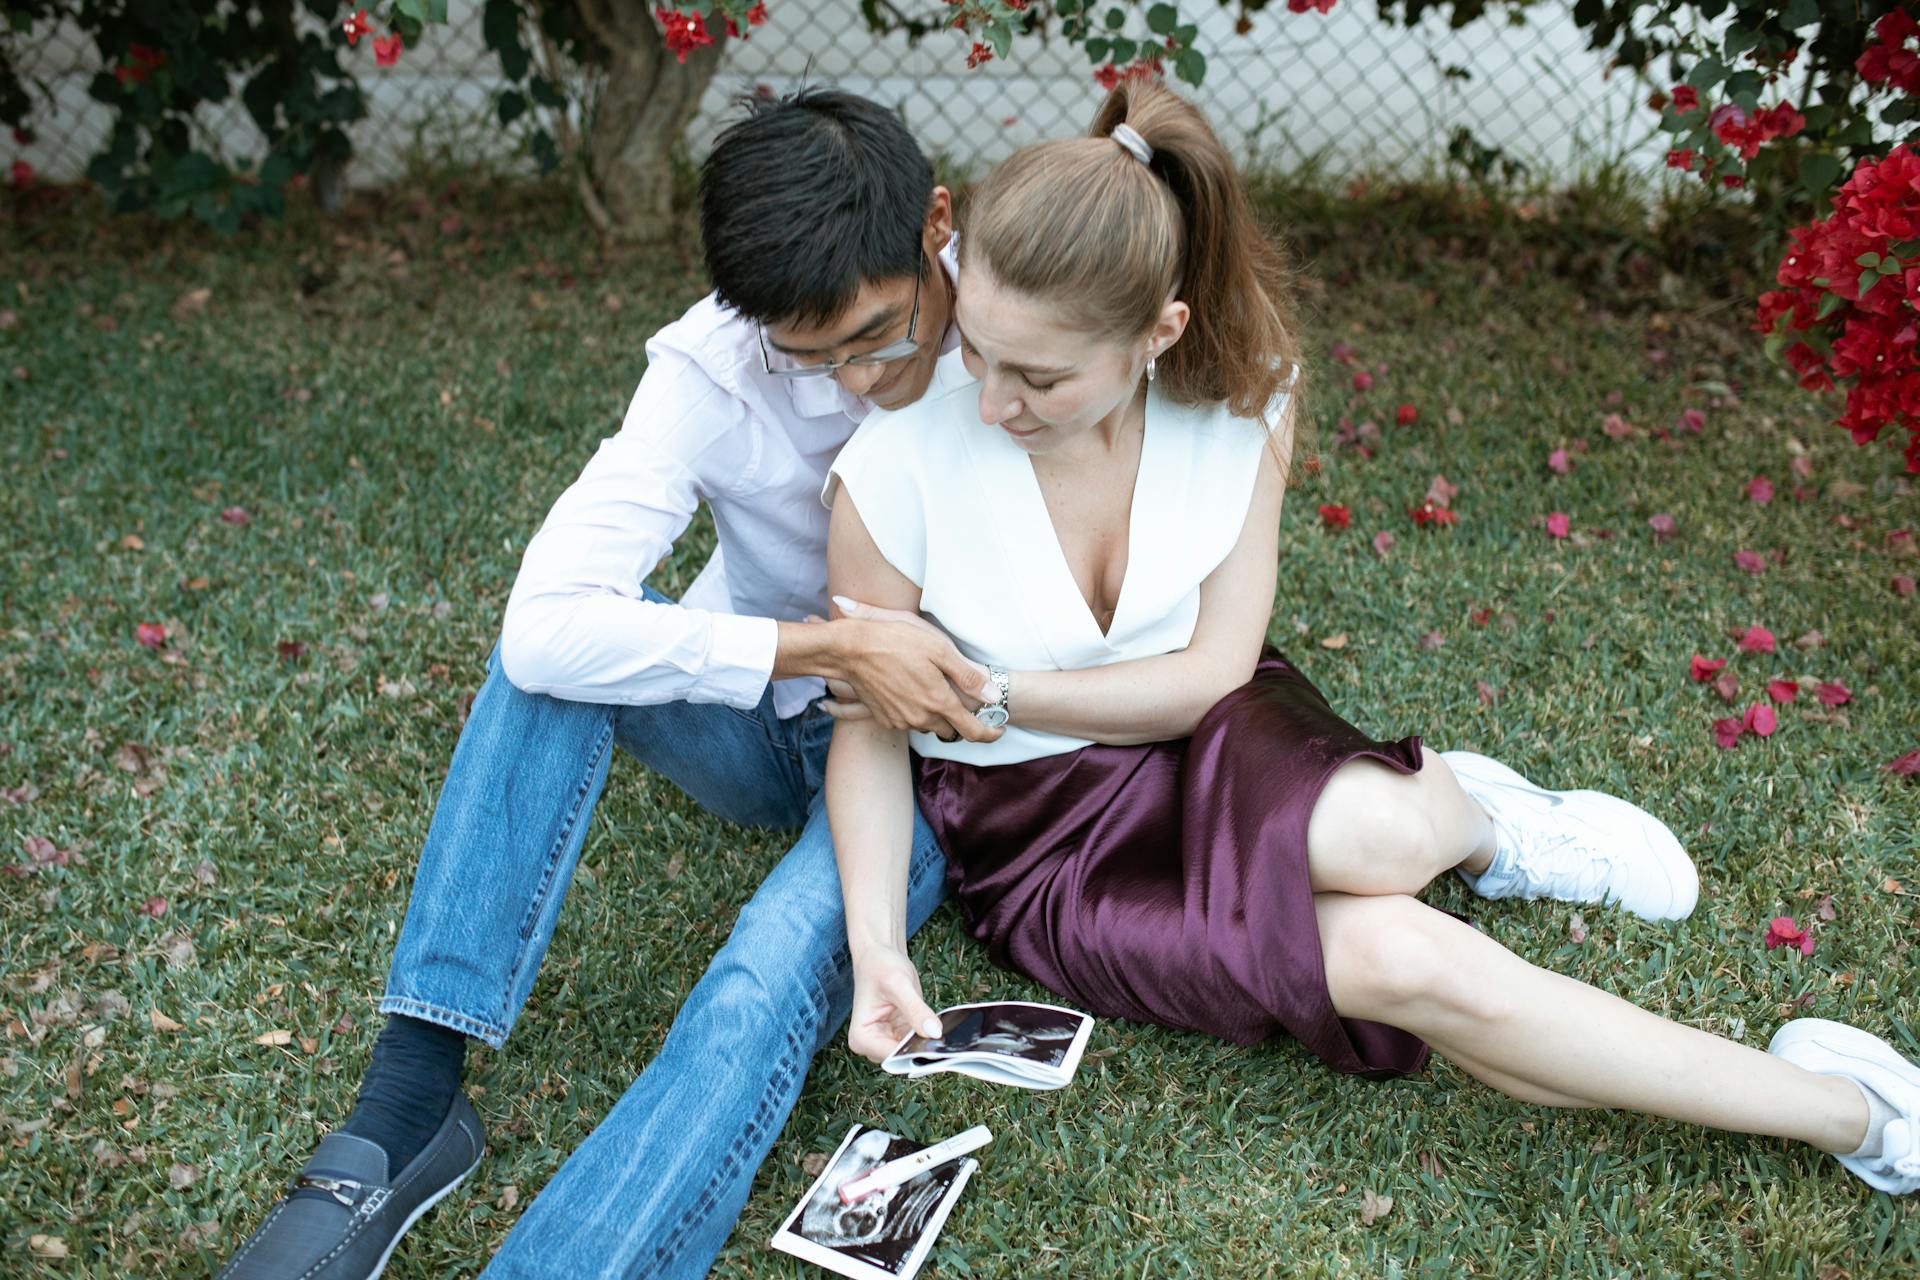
(579,627)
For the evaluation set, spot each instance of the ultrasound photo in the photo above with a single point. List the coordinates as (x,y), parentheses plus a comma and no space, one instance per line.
(888,1231)
(1033,1032)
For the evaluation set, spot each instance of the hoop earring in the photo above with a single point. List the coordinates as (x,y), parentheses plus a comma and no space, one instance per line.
(1150,369)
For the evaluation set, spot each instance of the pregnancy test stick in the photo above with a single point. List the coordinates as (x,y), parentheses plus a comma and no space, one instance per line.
(895,1172)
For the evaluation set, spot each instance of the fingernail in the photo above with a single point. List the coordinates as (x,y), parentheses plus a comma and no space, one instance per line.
(845,605)
(930,1028)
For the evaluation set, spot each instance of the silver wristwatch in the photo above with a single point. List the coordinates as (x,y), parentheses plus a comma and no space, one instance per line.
(994,714)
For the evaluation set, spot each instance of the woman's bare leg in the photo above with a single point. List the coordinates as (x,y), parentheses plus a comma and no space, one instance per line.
(1377,830)
(1546,1038)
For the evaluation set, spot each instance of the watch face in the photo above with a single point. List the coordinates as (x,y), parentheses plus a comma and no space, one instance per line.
(994,716)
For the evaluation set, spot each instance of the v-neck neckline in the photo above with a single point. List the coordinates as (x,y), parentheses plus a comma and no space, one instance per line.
(1061,568)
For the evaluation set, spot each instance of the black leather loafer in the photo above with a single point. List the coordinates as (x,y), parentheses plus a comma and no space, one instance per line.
(343,1216)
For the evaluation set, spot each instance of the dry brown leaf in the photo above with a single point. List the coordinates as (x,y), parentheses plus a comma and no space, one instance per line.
(814,1163)
(1334,642)
(1373,1207)
(47,1246)
(161,1022)
(191,303)
(133,542)
(181,1176)
(274,1039)
(509,1196)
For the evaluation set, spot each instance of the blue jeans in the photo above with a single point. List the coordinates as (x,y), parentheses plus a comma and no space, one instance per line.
(655,1189)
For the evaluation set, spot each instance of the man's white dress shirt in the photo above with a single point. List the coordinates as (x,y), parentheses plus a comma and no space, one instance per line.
(707,424)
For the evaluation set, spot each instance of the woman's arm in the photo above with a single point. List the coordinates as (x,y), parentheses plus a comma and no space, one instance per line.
(870,812)
(1155,699)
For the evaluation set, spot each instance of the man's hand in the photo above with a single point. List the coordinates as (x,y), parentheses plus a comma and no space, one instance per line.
(904,673)
(887,1004)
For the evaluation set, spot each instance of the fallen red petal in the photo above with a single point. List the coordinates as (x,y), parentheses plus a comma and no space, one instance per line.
(236,515)
(1782,690)
(1702,669)
(155,907)
(1727,685)
(1906,766)
(1663,527)
(1560,462)
(1751,561)
(1757,640)
(1783,932)
(1760,720)
(151,634)
(1334,516)
(1833,694)
(1558,525)
(1727,731)
(1902,585)
(1382,542)
(1760,490)
(1616,427)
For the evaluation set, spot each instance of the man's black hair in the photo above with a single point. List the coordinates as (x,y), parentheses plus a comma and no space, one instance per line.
(806,199)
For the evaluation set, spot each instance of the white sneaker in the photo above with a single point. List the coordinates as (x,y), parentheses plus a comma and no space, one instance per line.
(1836,1049)
(1575,846)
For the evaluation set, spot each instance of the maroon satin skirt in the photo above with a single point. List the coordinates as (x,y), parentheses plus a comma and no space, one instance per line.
(1167,882)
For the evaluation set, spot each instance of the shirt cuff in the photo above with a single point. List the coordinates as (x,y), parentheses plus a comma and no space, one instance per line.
(740,657)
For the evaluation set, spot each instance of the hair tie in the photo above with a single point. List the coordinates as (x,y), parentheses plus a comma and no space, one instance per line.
(1132,142)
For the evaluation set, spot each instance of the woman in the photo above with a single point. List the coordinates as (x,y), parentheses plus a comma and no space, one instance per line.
(1195,839)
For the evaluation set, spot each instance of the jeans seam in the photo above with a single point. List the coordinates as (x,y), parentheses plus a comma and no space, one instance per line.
(530,924)
(788,1065)
(830,969)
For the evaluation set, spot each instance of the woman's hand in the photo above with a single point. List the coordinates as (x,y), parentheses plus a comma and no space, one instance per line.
(886,1003)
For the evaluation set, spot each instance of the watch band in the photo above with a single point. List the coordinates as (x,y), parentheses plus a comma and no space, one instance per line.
(999,676)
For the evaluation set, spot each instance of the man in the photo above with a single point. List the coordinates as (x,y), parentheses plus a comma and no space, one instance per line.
(832,257)
(820,217)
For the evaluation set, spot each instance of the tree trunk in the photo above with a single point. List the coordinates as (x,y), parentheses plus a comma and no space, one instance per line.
(648,99)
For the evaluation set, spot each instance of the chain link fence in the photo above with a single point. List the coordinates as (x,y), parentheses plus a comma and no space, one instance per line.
(1341,93)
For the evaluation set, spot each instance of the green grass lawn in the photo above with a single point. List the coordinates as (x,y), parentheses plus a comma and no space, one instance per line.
(395,405)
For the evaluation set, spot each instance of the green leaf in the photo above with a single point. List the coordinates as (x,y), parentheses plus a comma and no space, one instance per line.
(1828,305)
(437,11)
(500,29)
(1000,36)
(1819,116)
(1162,19)
(545,154)
(1067,8)
(413,9)
(1707,73)
(1097,49)
(1907,249)
(1867,260)
(1190,66)
(1800,13)
(1818,173)
(545,93)
(1744,88)
(512,105)
(1125,49)
(1116,18)
(1867,280)
(1186,34)
(1741,39)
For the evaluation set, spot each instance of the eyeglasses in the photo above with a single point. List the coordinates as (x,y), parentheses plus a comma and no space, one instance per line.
(899,350)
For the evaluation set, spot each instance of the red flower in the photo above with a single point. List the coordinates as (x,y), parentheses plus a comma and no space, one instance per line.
(1759,720)
(356,26)
(1760,490)
(1782,690)
(1783,932)
(1334,516)
(1406,415)
(386,49)
(683,32)
(1833,694)
(1733,181)
(1757,640)
(22,174)
(1685,98)
(1559,462)
(1558,525)
(151,635)
(1889,61)
(1107,77)
(1431,512)
(1702,669)
(979,55)
(757,16)
(1362,380)
(1310,6)
(1680,158)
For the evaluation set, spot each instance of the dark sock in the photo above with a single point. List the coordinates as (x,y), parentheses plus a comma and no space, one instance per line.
(408,1088)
